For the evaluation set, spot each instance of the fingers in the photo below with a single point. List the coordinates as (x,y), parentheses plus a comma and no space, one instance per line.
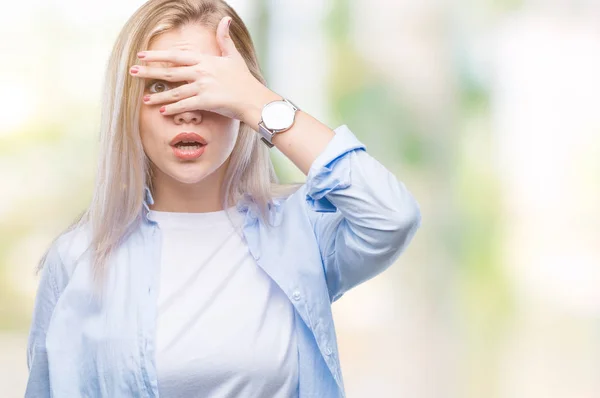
(187,104)
(173,74)
(181,57)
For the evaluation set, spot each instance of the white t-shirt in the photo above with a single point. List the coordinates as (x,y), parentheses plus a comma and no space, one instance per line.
(224,328)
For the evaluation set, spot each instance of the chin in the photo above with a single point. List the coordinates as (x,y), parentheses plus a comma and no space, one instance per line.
(191,173)
(190,178)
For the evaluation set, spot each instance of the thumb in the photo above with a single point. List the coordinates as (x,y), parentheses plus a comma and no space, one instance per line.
(224,39)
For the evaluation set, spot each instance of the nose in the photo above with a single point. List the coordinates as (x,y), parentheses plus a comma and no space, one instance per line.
(188,117)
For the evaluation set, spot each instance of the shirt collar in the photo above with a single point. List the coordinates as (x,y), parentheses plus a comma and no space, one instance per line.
(245,205)
(148,201)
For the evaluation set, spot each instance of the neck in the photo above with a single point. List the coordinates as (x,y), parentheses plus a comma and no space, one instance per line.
(174,196)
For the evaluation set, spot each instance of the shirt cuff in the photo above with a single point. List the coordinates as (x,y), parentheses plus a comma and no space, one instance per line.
(331,169)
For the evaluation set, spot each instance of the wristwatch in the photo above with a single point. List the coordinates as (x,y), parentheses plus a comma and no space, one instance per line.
(276,117)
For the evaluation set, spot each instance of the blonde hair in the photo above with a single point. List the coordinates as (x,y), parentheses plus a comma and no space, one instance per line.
(124,169)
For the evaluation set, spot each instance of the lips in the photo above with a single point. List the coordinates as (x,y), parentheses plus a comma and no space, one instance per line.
(187,138)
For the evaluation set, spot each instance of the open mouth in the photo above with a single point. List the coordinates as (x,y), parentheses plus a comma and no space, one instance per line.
(188,150)
(189,145)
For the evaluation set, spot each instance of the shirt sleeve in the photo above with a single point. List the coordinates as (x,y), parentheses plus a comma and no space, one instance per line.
(38,382)
(362,216)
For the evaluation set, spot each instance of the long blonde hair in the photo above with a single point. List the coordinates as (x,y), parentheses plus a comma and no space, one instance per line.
(124,169)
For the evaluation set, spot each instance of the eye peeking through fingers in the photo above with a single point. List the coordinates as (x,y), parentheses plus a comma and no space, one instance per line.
(160,85)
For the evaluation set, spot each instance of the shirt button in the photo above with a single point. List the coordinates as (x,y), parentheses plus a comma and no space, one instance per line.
(296,295)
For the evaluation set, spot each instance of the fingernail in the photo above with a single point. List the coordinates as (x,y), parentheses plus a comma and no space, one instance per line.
(228,23)
(134,70)
(162,109)
(146,98)
(141,55)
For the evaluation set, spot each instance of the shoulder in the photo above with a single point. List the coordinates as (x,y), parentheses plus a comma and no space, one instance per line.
(68,248)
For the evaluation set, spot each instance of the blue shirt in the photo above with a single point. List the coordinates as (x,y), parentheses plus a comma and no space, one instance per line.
(348,222)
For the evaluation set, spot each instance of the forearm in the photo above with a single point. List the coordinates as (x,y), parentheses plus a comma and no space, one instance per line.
(303,142)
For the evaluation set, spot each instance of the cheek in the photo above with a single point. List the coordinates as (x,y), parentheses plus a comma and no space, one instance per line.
(147,132)
(229,137)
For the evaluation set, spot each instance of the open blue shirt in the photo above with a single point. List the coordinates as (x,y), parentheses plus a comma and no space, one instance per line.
(349,221)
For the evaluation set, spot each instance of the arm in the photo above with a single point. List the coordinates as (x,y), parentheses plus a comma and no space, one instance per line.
(38,383)
(303,142)
(362,216)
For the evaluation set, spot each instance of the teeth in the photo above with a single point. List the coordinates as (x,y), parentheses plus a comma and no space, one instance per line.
(189,147)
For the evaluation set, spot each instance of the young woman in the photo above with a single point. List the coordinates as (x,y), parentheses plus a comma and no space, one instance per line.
(193,273)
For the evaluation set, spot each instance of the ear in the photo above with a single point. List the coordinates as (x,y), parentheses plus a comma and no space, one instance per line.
(224,39)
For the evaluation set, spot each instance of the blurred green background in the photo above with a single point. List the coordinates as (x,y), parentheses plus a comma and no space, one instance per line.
(487,110)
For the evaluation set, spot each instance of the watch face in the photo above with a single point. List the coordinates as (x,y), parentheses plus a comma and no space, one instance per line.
(278,115)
